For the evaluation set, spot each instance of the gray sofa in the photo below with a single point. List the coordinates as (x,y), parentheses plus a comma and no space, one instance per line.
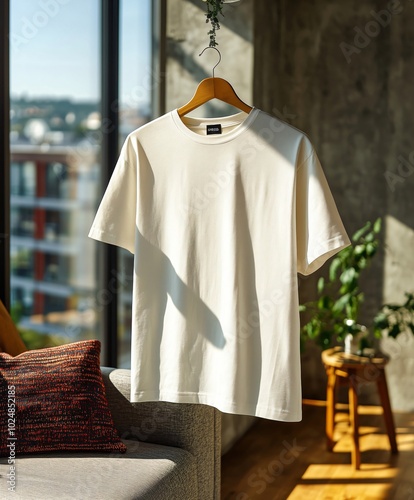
(173,454)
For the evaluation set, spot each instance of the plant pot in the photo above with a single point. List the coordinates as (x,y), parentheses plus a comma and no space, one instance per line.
(354,340)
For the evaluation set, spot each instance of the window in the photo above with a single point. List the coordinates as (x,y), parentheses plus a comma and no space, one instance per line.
(23,179)
(59,164)
(21,221)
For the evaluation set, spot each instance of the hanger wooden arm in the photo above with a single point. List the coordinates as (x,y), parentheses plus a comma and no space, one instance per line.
(214,88)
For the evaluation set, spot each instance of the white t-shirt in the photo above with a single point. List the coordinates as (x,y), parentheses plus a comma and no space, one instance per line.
(219,225)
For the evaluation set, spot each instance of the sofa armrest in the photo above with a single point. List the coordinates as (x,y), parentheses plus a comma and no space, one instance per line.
(192,427)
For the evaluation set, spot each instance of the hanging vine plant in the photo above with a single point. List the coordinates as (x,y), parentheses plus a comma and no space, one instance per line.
(214,10)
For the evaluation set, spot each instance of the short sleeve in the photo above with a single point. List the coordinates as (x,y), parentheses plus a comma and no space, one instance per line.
(320,233)
(114,222)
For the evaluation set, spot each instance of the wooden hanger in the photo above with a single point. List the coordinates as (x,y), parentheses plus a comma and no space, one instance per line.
(214,88)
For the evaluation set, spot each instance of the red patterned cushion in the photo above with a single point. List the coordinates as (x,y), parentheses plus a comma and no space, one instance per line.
(58,396)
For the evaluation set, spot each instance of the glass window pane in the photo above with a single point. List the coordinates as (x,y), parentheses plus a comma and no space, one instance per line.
(136,80)
(23,179)
(55,169)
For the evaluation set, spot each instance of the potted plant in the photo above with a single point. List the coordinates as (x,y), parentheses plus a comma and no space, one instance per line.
(393,319)
(333,316)
(394,325)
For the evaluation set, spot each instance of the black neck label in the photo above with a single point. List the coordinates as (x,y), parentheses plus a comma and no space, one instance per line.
(213,129)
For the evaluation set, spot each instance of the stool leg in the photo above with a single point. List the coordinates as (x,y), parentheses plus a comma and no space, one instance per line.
(388,417)
(330,408)
(353,414)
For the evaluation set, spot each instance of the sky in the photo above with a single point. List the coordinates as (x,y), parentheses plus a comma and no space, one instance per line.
(55,49)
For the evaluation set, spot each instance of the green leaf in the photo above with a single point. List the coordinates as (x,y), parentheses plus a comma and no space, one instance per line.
(348,276)
(409,302)
(395,330)
(335,265)
(377,333)
(362,263)
(381,321)
(359,249)
(302,308)
(310,330)
(350,312)
(371,249)
(341,303)
(377,225)
(324,303)
(357,236)
(321,284)
(345,254)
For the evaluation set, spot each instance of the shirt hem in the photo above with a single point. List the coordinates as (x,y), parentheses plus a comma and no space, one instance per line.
(99,235)
(223,406)
(331,247)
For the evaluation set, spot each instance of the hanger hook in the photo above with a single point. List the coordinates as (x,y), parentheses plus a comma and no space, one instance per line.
(219,53)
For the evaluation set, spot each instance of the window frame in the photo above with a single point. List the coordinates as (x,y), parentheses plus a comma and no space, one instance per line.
(109,154)
(5,153)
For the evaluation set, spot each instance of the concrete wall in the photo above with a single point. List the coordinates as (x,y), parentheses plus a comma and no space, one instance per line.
(344,73)
(187,37)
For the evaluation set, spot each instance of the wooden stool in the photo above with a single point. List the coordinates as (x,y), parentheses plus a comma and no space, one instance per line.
(353,370)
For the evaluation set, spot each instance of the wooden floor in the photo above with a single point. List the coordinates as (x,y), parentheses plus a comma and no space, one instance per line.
(276,460)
